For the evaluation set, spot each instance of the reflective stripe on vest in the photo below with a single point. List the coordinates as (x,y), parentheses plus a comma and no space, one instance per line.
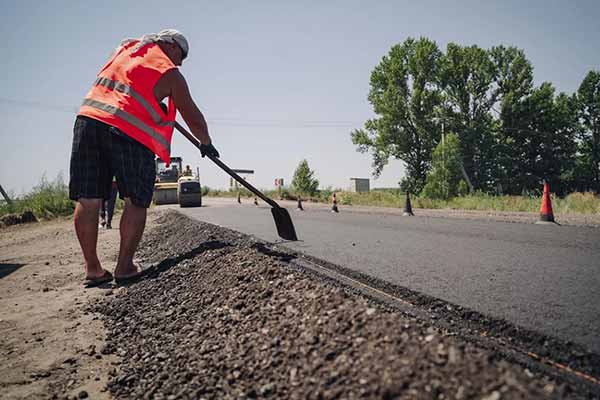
(123,88)
(130,119)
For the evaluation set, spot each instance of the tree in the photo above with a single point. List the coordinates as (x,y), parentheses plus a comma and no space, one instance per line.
(588,102)
(404,94)
(468,75)
(303,181)
(445,175)
(512,135)
(542,145)
(514,84)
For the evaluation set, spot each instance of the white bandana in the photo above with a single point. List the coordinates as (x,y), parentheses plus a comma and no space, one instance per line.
(166,35)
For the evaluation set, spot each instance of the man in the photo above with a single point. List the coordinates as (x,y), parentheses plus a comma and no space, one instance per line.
(119,128)
(107,207)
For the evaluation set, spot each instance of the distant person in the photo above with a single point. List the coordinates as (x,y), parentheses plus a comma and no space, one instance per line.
(187,171)
(107,208)
(118,129)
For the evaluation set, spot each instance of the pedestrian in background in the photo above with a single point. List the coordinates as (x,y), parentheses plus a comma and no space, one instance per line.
(108,207)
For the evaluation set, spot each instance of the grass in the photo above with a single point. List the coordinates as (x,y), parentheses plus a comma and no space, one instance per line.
(51,199)
(47,200)
(584,203)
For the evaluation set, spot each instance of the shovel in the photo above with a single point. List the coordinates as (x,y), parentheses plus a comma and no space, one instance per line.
(283,221)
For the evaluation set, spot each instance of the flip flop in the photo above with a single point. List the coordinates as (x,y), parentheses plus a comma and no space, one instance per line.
(94,282)
(126,280)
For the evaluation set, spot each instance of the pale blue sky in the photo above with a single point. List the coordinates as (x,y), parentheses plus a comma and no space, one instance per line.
(278,81)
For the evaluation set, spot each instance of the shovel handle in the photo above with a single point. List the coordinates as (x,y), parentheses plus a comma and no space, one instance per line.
(225,168)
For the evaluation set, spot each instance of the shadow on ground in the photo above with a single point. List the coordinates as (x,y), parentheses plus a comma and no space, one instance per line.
(170,262)
(7,269)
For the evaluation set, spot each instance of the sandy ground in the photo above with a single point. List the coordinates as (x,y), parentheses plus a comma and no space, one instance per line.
(50,346)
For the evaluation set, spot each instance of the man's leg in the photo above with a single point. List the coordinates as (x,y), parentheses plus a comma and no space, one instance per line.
(86,226)
(133,222)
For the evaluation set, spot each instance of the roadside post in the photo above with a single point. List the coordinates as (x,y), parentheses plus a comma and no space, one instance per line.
(8,200)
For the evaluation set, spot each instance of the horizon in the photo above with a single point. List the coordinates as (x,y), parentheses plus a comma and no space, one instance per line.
(277,83)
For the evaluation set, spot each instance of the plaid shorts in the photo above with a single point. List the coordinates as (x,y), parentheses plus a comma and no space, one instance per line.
(100,152)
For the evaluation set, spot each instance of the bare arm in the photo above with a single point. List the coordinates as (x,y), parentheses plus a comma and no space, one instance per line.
(173,84)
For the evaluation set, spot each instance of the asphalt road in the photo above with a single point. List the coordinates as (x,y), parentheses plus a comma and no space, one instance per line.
(544,278)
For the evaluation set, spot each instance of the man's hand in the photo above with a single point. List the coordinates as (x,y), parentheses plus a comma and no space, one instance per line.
(208,150)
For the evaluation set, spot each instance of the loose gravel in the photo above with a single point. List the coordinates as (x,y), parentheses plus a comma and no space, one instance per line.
(221,317)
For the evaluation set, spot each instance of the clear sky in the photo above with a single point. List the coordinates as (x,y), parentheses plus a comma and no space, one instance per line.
(278,81)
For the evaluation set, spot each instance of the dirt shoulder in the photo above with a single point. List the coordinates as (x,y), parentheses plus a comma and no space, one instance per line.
(50,345)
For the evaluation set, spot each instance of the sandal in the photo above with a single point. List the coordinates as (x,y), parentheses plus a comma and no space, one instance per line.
(94,282)
(126,280)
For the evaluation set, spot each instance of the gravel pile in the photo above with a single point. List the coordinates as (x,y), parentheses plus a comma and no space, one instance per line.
(222,317)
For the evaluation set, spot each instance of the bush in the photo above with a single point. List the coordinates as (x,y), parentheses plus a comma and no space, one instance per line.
(46,200)
(443,179)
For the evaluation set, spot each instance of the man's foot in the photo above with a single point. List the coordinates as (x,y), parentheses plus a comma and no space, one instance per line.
(97,281)
(137,273)
(102,223)
(108,225)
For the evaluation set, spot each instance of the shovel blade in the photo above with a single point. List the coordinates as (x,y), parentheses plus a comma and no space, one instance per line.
(284,224)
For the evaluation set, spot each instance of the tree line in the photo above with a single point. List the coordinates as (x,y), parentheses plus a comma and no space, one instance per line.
(510,135)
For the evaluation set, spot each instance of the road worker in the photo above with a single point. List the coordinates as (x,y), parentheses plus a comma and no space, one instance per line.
(118,130)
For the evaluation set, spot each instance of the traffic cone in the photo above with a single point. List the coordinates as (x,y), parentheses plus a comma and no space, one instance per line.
(239,199)
(546,214)
(255,201)
(407,212)
(334,207)
(300,204)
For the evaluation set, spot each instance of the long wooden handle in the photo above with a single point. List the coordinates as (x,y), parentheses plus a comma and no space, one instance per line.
(225,168)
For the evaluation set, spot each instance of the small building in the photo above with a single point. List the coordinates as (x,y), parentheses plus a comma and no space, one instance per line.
(359,185)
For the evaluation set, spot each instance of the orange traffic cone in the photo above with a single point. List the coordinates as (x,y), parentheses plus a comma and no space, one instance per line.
(546,214)
(334,207)
(407,212)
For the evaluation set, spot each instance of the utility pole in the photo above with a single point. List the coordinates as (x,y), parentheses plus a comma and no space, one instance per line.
(8,200)
(445,180)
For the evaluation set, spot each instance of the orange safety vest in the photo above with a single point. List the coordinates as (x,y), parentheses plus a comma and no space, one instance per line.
(123,96)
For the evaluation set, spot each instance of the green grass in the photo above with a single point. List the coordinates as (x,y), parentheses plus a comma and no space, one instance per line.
(51,199)
(585,203)
(46,200)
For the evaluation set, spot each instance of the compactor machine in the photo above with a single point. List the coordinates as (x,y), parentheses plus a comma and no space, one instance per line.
(165,187)
(176,186)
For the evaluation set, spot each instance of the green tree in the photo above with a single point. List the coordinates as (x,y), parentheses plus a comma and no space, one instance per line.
(543,143)
(588,102)
(404,94)
(514,84)
(468,76)
(445,177)
(303,182)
